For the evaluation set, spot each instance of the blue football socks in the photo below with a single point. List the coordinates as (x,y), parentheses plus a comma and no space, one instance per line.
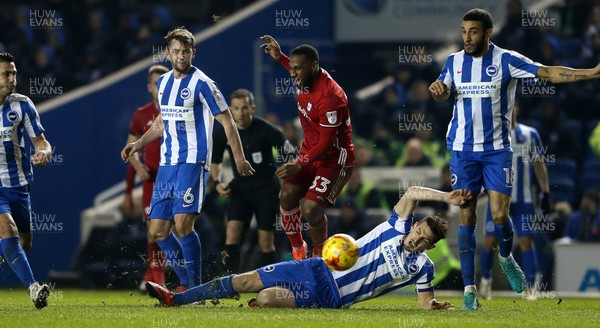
(466,249)
(17,260)
(504,234)
(529,264)
(218,288)
(487,260)
(174,255)
(192,253)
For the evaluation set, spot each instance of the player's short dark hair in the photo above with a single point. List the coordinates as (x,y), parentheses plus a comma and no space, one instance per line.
(5,57)
(479,15)
(182,35)
(438,226)
(156,69)
(242,93)
(307,50)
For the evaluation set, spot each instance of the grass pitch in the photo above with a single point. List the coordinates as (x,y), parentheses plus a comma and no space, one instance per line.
(88,309)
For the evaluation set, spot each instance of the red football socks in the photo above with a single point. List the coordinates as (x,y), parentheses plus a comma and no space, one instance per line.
(290,218)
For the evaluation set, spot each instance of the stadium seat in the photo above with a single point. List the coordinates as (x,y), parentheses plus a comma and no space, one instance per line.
(574,126)
(589,180)
(562,189)
(590,126)
(562,168)
(591,166)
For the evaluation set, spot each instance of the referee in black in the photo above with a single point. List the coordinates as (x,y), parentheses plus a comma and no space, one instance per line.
(253,195)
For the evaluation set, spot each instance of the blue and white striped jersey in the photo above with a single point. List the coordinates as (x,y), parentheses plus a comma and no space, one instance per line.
(383,264)
(485,94)
(18,115)
(188,106)
(527,147)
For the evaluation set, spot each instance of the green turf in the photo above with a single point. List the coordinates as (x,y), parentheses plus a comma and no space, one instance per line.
(88,309)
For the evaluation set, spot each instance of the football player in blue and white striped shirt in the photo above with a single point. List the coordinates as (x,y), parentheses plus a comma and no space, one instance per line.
(391,256)
(19,118)
(188,100)
(483,76)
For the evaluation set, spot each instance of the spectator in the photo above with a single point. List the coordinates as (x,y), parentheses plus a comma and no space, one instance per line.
(386,146)
(432,147)
(364,193)
(584,225)
(557,137)
(419,97)
(352,220)
(514,35)
(413,155)
(365,155)
(591,46)
(441,208)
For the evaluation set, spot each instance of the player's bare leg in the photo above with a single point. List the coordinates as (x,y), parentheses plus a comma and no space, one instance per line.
(289,200)
(25,238)
(466,249)
(275,297)
(314,213)
(159,229)
(499,207)
(230,255)
(266,243)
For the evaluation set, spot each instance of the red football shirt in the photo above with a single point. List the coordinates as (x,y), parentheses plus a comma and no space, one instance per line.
(140,123)
(325,119)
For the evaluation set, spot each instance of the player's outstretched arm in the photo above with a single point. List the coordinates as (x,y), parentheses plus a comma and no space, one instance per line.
(561,74)
(271,46)
(242,165)
(428,302)
(407,204)
(43,151)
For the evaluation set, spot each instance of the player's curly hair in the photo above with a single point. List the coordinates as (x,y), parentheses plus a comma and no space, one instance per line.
(182,35)
(479,15)
(438,226)
(307,50)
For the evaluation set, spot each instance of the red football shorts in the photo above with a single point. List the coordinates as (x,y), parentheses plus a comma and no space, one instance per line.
(323,180)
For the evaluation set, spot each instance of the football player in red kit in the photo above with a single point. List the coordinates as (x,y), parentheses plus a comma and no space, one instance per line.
(146,170)
(326,158)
